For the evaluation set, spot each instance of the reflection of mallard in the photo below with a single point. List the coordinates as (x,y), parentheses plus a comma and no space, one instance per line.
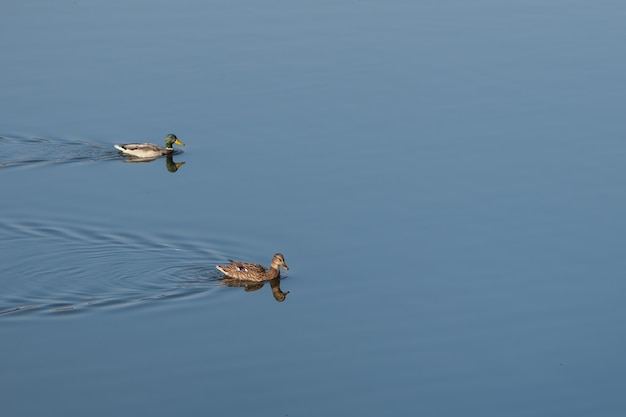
(251,286)
(254,272)
(171,165)
(149,150)
(278,294)
(169,162)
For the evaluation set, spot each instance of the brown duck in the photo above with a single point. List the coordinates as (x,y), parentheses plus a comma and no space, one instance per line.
(254,272)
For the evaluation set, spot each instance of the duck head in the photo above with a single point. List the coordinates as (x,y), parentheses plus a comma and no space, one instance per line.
(171,139)
(279,260)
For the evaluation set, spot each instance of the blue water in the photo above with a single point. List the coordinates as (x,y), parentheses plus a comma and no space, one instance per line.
(445,181)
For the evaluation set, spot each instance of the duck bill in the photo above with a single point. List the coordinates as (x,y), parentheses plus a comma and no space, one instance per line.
(286,267)
(178,142)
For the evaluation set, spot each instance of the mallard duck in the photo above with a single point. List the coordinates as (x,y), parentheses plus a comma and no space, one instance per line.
(149,150)
(253,272)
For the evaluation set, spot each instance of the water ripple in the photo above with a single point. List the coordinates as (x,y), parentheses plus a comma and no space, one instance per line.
(24,151)
(61,268)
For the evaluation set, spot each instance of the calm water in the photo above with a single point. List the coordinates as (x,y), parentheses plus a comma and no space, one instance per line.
(445,180)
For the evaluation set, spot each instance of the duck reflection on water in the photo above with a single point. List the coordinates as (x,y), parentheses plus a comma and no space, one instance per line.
(170,165)
(251,286)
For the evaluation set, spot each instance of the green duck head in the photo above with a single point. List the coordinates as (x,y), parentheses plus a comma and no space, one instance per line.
(171,139)
(171,165)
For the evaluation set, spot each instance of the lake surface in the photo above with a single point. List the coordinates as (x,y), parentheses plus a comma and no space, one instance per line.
(446,182)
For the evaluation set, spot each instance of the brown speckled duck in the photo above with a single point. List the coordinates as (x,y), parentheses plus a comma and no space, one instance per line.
(253,272)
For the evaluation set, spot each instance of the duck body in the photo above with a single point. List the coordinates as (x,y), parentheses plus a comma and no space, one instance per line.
(149,150)
(246,271)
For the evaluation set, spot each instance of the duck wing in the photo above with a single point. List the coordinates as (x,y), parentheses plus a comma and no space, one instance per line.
(244,271)
(246,267)
(142,150)
(138,146)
